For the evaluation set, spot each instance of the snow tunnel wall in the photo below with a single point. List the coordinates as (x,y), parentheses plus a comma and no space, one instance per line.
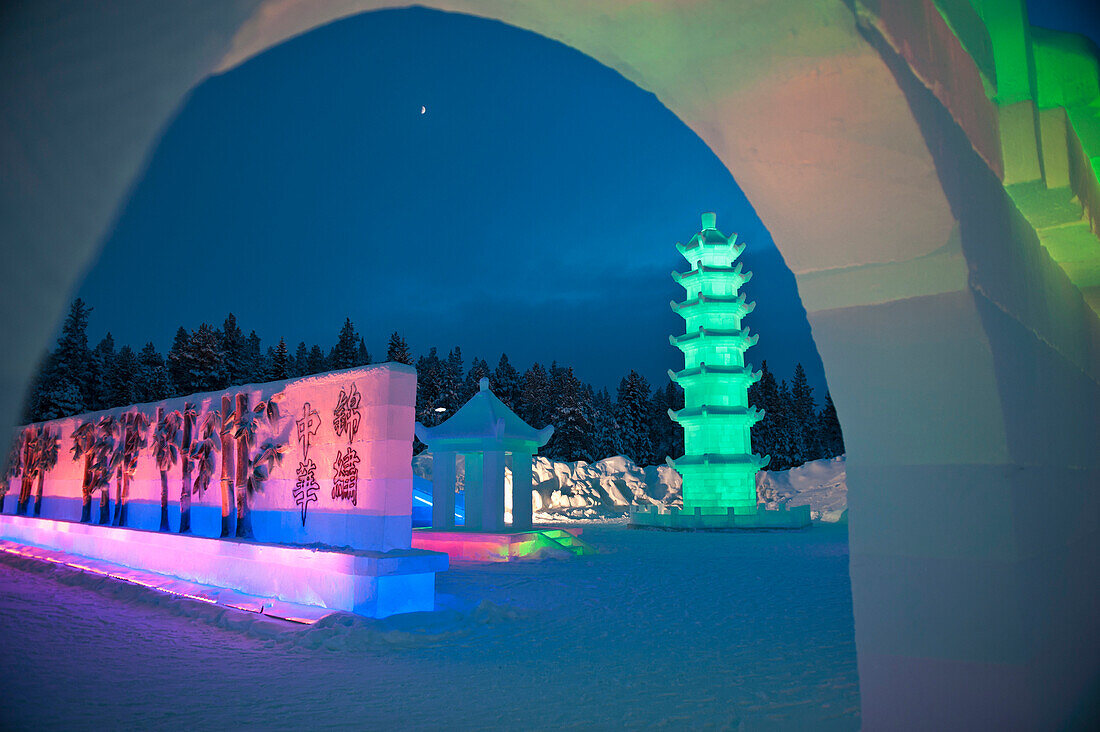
(344,480)
(962,359)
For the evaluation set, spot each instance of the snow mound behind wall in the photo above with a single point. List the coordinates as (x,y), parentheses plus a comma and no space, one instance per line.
(608,487)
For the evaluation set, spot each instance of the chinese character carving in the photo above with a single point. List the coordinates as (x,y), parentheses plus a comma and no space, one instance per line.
(346,416)
(305,490)
(345,481)
(307,426)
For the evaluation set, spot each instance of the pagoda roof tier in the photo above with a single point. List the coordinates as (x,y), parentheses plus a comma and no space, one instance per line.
(703,370)
(711,238)
(712,269)
(484,420)
(756,462)
(709,303)
(751,414)
(742,335)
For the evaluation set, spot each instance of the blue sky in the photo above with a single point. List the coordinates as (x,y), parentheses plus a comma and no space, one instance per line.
(532,209)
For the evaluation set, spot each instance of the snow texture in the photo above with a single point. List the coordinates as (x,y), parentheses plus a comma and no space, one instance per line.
(741,631)
(580,490)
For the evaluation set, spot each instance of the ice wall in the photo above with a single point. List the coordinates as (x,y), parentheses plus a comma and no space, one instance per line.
(344,480)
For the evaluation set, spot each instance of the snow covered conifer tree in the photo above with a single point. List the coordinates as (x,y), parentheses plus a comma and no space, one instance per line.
(316,362)
(122,378)
(254,359)
(234,351)
(632,416)
(429,387)
(605,431)
(804,423)
(205,360)
(344,352)
(102,359)
(478,369)
(280,361)
(154,383)
(398,350)
(572,419)
(301,359)
(505,383)
(179,370)
(451,390)
(535,399)
(362,355)
(832,439)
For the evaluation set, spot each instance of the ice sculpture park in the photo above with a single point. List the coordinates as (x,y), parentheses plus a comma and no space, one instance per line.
(929,171)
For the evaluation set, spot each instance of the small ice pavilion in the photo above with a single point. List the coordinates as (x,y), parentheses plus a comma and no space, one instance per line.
(490,437)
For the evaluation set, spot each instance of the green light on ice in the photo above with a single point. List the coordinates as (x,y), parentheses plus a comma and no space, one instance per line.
(718,467)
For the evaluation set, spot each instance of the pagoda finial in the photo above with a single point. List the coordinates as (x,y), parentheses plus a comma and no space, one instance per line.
(709,220)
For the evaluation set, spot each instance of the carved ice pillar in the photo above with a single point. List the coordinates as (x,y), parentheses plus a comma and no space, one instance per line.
(522,484)
(473,480)
(492,490)
(443,490)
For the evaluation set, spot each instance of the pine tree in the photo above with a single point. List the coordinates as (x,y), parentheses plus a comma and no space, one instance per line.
(362,355)
(535,398)
(632,409)
(234,352)
(666,436)
(785,447)
(280,362)
(504,382)
(74,359)
(572,418)
(344,352)
(316,362)
(179,370)
(122,378)
(452,387)
(832,439)
(301,359)
(255,369)
(764,394)
(153,383)
(103,357)
(429,387)
(804,423)
(204,360)
(605,433)
(479,369)
(398,350)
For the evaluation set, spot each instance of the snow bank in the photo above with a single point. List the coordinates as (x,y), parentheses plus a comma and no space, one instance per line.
(606,488)
(821,484)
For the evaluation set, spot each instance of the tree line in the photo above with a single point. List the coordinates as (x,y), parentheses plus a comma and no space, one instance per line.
(589,424)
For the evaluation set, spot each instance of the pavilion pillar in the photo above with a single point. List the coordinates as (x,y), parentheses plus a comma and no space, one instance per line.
(522,484)
(473,483)
(492,490)
(443,490)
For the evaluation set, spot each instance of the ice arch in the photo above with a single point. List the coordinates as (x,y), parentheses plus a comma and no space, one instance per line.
(964,359)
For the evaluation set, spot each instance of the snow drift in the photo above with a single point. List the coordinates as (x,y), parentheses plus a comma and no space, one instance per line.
(608,487)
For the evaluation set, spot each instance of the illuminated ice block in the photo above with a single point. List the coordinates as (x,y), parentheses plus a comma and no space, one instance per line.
(718,467)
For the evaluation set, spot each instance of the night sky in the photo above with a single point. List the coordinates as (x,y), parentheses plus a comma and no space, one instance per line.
(532,209)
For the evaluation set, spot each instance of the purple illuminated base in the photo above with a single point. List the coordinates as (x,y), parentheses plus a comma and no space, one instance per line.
(375,584)
(650,517)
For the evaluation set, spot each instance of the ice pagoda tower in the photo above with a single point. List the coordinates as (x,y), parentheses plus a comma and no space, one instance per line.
(718,468)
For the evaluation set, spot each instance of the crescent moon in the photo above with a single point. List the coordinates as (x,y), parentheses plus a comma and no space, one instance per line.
(423,110)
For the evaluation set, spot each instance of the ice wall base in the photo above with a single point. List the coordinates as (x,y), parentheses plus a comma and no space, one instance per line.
(375,584)
(652,517)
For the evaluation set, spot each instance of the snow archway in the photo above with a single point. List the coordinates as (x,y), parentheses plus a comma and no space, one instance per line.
(963,360)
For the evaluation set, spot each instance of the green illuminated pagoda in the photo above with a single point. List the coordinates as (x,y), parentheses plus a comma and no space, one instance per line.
(719,469)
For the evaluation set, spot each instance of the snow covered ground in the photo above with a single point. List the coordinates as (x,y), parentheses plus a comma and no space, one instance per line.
(681,630)
(595,491)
